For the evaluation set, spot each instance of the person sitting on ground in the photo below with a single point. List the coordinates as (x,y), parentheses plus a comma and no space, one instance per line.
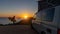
(12,19)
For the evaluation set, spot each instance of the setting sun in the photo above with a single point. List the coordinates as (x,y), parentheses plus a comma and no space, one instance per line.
(25,17)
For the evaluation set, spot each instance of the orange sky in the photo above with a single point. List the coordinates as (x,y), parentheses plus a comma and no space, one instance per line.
(18,8)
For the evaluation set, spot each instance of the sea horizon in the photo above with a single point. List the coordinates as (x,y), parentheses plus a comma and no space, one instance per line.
(5,20)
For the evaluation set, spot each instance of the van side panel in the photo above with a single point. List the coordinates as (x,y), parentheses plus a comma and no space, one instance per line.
(57,16)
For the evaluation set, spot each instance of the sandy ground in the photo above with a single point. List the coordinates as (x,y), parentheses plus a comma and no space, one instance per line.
(17,29)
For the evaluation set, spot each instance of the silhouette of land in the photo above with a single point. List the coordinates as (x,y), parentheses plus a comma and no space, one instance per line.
(17,29)
(21,27)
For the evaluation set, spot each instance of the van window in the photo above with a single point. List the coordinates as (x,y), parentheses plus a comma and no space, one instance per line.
(48,14)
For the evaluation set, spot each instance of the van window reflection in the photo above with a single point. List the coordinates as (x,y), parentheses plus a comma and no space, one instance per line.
(48,14)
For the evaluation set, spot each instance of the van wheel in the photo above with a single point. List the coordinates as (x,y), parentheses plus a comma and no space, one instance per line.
(43,32)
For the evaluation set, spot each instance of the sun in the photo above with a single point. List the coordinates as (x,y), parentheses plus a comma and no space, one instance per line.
(25,17)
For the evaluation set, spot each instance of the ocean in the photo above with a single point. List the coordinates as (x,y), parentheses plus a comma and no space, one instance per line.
(4,20)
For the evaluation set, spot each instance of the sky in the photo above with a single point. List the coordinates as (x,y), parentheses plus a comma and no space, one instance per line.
(17,7)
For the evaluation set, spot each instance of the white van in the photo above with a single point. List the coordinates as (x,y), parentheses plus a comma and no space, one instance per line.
(47,21)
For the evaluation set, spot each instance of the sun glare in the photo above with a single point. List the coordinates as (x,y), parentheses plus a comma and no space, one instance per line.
(25,17)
